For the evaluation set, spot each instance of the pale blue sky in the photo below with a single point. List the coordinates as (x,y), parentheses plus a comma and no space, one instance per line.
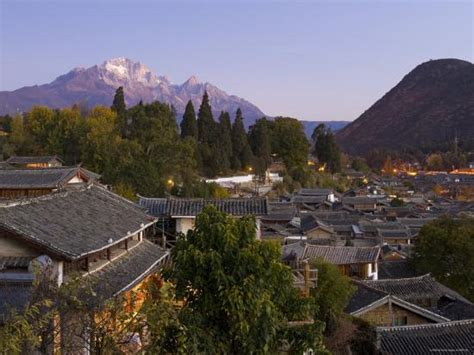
(317,60)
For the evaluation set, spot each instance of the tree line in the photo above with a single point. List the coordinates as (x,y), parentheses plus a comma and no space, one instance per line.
(141,149)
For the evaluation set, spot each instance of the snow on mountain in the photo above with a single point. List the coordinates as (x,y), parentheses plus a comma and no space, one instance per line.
(97,85)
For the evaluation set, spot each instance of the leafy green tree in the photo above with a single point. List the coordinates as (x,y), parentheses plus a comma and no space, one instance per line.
(332,294)
(326,149)
(189,124)
(237,298)
(445,248)
(289,141)
(241,152)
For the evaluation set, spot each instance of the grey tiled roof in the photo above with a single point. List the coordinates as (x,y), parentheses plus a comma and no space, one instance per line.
(315,192)
(342,255)
(358,200)
(32,159)
(48,178)
(74,223)
(129,269)
(394,233)
(308,199)
(396,269)
(363,296)
(193,206)
(413,289)
(443,338)
(309,223)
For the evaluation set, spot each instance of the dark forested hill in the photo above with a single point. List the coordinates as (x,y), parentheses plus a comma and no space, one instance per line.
(432,104)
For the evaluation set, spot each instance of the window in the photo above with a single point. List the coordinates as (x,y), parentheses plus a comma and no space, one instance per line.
(400,320)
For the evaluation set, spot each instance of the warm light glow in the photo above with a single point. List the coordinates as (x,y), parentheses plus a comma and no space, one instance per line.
(322,168)
(170,182)
(412,173)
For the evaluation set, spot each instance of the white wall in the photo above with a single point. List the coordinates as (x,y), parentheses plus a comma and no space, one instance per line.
(183,225)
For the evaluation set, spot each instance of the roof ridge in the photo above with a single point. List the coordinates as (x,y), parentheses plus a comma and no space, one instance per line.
(46,197)
(401,279)
(428,325)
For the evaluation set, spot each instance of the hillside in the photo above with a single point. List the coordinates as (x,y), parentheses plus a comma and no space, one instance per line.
(432,104)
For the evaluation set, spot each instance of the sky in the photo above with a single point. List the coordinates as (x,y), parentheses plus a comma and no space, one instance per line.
(313,60)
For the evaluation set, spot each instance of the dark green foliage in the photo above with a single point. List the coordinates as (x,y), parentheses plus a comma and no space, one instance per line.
(237,296)
(118,105)
(242,154)
(359,164)
(289,141)
(260,142)
(189,123)
(445,248)
(208,138)
(364,339)
(326,149)
(205,122)
(332,294)
(225,141)
(397,202)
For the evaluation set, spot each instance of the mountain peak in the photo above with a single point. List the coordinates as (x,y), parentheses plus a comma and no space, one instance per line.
(122,71)
(193,80)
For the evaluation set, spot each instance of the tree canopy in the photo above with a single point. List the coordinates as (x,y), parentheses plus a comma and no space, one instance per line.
(445,248)
(326,149)
(237,296)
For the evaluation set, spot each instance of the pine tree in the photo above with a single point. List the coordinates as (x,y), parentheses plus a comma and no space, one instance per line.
(189,123)
(205,122)
(259,140)
(225,140)
(241,152)
(118,105)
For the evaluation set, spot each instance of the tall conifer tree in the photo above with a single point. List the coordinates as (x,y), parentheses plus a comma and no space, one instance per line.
(118,105)
(259,140)
(189,123)
(205,122)
(241,152)
(225,140)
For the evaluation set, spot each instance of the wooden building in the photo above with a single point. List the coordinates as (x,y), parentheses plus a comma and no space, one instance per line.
(19,183)
(178,215)
(385,310)
(87,231)
(358,262)
(35,162)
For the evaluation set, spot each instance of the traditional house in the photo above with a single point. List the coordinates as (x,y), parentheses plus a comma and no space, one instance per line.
(359,262)
(394,236)
(443,338)
(383,309)
(316,231)
(360,203)
(35,162)
(423,291)
(86,231)
(17,183)
(178,214)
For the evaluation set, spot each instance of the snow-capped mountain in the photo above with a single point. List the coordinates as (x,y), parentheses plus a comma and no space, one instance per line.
(97,85)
